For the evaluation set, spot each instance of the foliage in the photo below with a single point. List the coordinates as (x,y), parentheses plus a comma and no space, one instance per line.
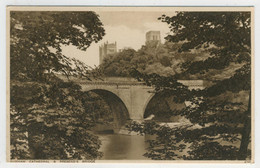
(48,118)
(99,110)
(118,64)
(162,59)
(220,114)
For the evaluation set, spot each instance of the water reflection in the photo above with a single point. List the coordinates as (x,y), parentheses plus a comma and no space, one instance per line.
(123,147)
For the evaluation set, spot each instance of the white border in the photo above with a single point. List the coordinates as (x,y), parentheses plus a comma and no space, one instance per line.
(4,3)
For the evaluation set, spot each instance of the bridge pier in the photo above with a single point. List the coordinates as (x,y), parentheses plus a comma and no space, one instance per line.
(139,97)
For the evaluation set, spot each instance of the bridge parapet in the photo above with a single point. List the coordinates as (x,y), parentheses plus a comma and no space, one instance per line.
(116,81)
(104,82)
(192,84)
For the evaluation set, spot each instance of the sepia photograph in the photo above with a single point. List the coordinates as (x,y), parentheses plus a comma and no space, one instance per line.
(130,84)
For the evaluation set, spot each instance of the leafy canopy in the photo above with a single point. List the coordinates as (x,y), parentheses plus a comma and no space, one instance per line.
(37,39)
(50,118)
(220,114)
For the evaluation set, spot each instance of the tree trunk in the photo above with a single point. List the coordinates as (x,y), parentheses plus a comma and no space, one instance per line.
(243,150)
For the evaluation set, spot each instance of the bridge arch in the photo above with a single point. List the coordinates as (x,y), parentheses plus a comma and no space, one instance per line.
(146,103)
(117,107)
(161,105)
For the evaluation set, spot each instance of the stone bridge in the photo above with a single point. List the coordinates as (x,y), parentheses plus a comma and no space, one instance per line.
(127,97)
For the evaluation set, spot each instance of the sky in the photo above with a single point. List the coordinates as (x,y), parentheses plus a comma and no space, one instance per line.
(127,28)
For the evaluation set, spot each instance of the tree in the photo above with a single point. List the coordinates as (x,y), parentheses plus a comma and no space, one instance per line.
(220,110)
(37,39)
(48,118)
(162,59)
(118,64)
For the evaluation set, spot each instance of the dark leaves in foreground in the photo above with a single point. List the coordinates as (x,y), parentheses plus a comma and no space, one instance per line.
(48,118)
(220,114)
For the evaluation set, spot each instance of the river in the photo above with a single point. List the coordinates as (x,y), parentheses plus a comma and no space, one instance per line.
(123,147)
(131,147)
